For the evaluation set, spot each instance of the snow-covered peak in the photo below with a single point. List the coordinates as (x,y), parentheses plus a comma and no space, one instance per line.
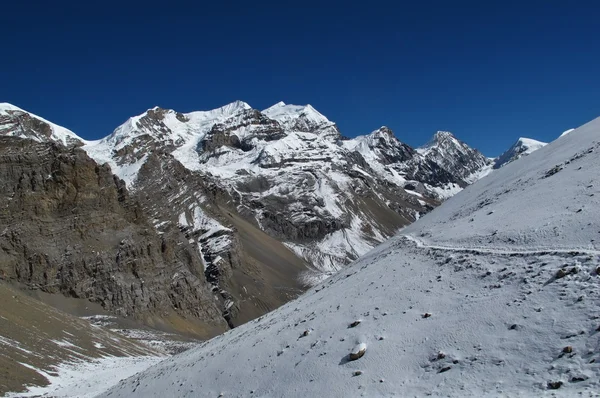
(455,156)
(383,131)
(227,110)
(523,147)
(438,139)
(15,122)
(382,137)
(290,116)
(171,126)
(443,135)
(530,143)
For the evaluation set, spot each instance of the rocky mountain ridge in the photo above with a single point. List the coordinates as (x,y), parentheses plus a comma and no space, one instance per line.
(292,173)
(254,204)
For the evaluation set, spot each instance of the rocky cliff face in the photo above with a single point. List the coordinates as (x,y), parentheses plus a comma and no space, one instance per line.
(69,226)
(235,208)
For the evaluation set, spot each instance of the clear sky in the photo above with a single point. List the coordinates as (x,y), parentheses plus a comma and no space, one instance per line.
(489,71)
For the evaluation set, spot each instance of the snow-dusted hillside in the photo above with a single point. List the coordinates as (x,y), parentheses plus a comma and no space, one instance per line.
(495,293)
(523,147)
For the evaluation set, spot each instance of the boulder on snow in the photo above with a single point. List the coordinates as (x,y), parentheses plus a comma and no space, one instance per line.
(561,273)
(355,323)
(555,385)
(358,351)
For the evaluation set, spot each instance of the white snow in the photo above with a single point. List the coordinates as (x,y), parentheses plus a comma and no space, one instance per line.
(87,378)
(59,133)
(15,344)
(64,343)
(288,114)
(466,302)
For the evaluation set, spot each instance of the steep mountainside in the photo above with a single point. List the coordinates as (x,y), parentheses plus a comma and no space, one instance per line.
(71,227)
(288,171)
(523,147)
(495,293)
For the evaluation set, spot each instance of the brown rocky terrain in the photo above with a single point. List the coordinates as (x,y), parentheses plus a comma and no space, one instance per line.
(68,225)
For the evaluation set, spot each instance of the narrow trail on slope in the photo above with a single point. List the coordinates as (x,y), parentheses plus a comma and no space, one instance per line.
(483,250)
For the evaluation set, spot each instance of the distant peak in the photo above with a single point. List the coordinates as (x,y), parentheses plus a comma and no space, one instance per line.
(522,147)
(286,112)
(383,130)
(235,106)
(529,142)
(443,135)
(438,138)
(57,134)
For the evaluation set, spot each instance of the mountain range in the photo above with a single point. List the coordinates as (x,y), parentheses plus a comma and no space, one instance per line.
(237,208)
(197,223)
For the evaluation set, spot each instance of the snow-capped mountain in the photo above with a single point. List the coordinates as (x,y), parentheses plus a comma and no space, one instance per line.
(456,157)
(494,293)
(523,147)
(289,171)
(262,200)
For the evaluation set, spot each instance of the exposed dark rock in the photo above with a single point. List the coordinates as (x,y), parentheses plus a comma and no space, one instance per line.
(554,385)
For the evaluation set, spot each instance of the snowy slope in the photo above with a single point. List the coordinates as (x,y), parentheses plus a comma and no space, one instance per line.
(495,293)
(566,132)
(546,201)
(16,122)
(523,147)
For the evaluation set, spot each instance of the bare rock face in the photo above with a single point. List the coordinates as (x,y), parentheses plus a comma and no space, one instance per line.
(69,226)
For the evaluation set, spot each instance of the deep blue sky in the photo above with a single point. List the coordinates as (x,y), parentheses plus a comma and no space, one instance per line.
(487,71)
